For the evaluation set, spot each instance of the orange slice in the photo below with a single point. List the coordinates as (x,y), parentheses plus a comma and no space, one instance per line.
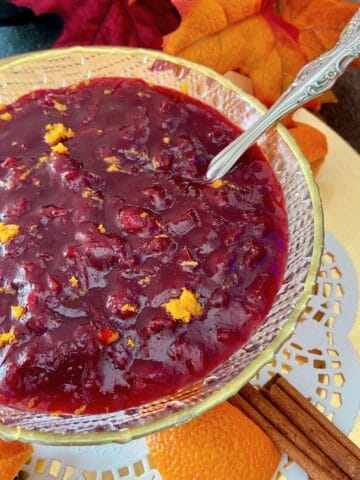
(221,444)
(13,455)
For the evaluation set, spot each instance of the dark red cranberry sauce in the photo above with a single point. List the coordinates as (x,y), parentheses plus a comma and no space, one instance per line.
(124,275)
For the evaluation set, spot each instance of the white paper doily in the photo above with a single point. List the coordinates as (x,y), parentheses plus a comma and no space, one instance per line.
(319,360)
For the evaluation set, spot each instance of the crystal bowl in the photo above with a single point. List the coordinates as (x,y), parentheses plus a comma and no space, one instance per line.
(56,68)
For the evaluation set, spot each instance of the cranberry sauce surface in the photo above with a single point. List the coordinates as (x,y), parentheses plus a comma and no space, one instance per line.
(124,275)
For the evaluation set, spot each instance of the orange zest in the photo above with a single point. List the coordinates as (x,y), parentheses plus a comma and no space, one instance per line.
(184,307)
(56,132)
(7,232)
(7,338)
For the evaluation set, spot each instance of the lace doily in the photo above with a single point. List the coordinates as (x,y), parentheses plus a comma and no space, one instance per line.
(319,360)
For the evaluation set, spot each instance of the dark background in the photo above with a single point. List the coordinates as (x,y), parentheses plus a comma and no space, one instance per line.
(21,31)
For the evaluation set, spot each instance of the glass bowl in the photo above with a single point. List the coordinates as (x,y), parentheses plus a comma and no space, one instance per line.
(57,68)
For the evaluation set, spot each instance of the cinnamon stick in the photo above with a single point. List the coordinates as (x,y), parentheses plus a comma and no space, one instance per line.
(283,444)
(255,398)
(314,412)
(329,445)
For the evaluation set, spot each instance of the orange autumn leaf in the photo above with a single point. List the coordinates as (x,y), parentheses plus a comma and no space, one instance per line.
(13,456)
(245,35)
(273,71)
(250,36)
(312,142)
(319,22)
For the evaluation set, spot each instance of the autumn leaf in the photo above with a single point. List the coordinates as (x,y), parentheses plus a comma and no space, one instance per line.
(311,141)
(252,37)
(319,22)
(140,23)
(13,456)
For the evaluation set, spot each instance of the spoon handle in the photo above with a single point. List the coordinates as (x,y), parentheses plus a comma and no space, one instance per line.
(313,79)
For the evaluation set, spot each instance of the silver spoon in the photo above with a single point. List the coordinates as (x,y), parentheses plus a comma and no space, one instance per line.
(313,79)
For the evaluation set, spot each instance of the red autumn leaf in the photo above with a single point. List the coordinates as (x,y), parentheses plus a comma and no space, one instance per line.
(139,23)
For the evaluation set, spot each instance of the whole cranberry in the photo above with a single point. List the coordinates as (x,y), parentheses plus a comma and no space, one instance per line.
(159,244)
(53,284)
(158,197)
(219,298)
(52,212)
(183,224)
(163,160)
(135,220)
(9,162)
(17,209)
(123,306)
(156,325)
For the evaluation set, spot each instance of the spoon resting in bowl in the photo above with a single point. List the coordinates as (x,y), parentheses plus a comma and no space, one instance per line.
(313,79)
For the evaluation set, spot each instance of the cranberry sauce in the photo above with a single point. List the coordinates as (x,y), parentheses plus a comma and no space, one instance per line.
(124,275)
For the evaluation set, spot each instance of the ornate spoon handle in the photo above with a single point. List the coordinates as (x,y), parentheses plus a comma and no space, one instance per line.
(313,79)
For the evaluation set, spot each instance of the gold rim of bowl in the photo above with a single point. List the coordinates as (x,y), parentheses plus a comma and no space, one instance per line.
(231,388)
